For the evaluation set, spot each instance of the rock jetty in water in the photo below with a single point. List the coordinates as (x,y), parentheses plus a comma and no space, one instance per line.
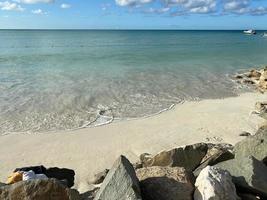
(256,78)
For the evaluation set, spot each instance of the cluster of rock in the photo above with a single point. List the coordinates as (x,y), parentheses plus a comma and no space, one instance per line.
(257,78)
(200,171)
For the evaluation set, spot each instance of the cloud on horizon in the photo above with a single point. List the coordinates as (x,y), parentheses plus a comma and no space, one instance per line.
(167,7)
(186,7)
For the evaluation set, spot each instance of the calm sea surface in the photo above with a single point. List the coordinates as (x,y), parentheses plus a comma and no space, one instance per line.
(58,80)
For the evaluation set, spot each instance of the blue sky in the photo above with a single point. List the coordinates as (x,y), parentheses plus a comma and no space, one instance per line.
(133,14)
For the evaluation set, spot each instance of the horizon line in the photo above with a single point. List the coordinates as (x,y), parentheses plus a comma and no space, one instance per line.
(123,29)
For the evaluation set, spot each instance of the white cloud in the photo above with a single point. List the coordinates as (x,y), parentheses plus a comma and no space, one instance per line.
(39,12)
(10,6)
(132,2)
(200,6)
(236,5)
(258,11)
(65,6)
(183,7)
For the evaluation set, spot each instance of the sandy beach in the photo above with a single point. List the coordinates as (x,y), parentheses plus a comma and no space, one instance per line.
(90,150)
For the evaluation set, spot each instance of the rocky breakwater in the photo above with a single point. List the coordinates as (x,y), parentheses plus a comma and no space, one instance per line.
(202,171)
(255,78)
(199,171)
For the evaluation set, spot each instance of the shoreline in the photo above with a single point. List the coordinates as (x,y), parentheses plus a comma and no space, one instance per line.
(90,150)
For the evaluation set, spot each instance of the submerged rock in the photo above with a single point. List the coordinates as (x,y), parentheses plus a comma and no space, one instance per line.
(120,183)
(247,81)
(214,184)
(188,157)
(249,174)
(165,183)
(38,190)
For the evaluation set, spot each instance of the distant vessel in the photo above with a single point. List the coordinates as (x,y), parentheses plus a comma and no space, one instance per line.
(250,32)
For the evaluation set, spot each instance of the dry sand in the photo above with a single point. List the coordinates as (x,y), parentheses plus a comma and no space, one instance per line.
(90,150)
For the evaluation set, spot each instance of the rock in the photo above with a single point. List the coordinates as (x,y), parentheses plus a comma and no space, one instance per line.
(120,183)
(99,177)
(165,183)
(263,114)
(248,81)
(263,75)
(38,190)
(254,74)
(245,134)
(89,195)
(36,169)
(263,80)
(137,165)
(188,157)
(66,175)
(145,158)
(249,174)
(255,146)
(214,183)
(214,155)
(247,196)
(2,184)
(260,106)
(238,76)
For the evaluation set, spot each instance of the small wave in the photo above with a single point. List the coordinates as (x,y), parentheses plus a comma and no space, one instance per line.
(150,115)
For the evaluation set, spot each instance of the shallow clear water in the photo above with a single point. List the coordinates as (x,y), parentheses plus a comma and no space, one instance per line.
(57,80)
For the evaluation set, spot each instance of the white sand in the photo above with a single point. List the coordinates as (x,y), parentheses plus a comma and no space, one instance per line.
(90,150)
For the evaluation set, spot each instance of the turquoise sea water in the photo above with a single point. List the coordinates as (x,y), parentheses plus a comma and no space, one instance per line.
(58,80)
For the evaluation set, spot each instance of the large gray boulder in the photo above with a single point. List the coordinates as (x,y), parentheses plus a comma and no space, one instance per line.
(120,183)
(255,146)
(38,190)
(249,174)
(166,183)
(214,184)
(215,154)
(188,157)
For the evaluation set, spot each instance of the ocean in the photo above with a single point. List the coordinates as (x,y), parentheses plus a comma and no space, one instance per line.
(54,80)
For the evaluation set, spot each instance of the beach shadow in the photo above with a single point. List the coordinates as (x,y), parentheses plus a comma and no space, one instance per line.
(157,188)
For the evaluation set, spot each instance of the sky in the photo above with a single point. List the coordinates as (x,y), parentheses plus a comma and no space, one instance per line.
(133,14)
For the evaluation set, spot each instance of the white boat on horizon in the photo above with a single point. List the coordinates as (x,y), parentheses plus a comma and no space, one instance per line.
(250,32)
